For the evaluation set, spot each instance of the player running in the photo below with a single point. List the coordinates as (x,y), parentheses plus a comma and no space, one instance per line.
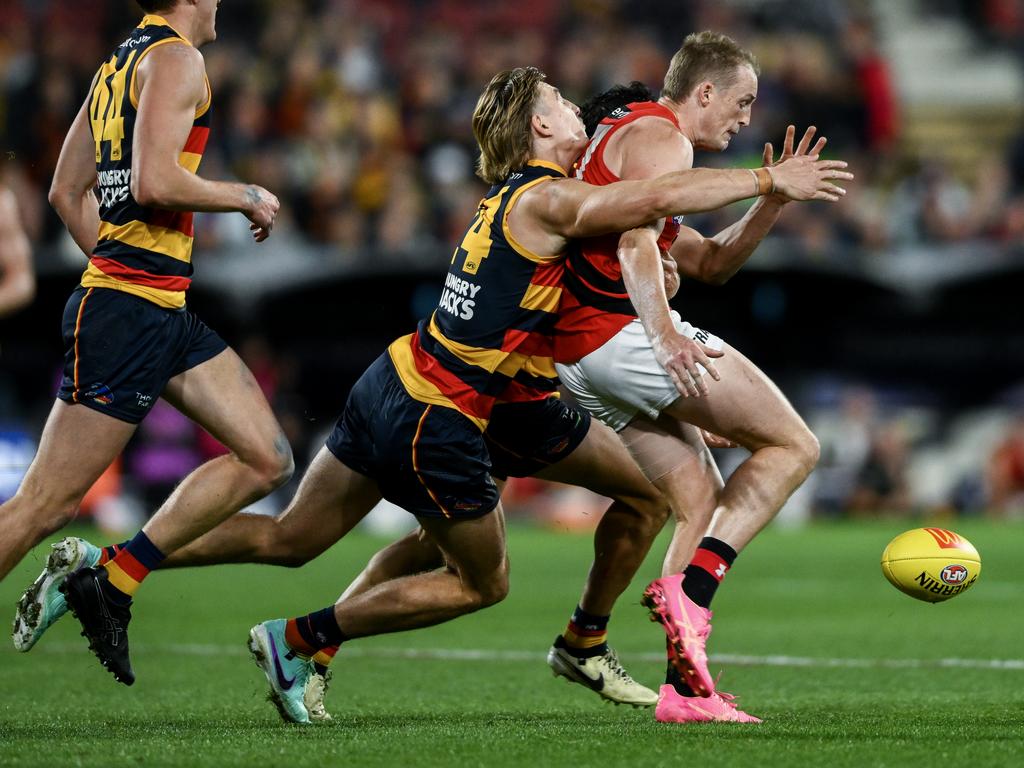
(129,337)
(636,365)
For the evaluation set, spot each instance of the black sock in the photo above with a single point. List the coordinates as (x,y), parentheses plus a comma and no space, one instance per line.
(673,678)
(320,629)
(705,572)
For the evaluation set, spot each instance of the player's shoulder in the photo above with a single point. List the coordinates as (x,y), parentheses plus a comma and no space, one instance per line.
(653,128)
(174,66)
(552,189)
(177,55)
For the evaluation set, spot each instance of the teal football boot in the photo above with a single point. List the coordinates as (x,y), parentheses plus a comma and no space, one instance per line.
(42,604)
(286,671)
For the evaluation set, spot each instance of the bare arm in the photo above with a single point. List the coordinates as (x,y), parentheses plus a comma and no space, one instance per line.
(643,274)
(17,280)
(171,85)
(570,209)
(71,191)
(716,259)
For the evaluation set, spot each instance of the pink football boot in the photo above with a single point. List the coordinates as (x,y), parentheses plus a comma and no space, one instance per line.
(717,708)
(687,626)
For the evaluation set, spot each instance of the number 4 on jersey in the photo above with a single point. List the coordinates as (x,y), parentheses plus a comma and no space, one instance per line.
(476,245)
(105,105)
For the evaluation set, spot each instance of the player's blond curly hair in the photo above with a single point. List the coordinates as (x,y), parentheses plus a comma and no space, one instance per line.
(705,56)
(501,122)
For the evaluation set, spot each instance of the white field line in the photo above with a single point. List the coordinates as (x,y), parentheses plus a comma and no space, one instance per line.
(479,654)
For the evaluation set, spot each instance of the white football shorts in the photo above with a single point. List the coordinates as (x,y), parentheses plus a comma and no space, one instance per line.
(622,378)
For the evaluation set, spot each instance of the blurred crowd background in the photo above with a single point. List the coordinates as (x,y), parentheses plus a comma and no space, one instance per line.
(893,319)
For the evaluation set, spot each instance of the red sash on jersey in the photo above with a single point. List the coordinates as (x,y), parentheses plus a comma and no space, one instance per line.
(595,305)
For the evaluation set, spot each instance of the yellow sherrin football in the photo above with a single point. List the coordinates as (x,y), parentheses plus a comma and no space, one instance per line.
(931,564)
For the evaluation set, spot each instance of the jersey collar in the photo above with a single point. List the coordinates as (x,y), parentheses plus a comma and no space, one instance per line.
(155,20)
(549,165)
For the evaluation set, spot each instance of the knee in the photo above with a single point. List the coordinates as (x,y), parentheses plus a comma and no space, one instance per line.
(43,511)
(280,546)
(274,465)
(652,507)
(494,589)
(808,450)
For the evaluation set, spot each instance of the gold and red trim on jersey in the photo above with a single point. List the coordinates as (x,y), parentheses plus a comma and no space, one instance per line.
(426,380)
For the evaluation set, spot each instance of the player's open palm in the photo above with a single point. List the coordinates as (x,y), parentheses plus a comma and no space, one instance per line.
(261,210)
(804,177)
(682,358)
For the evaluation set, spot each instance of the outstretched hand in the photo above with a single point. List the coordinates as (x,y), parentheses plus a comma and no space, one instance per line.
(801,149)
(788,151)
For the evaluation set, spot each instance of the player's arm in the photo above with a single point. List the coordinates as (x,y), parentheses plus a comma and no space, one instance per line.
(656,160)
(665,185)
(171,85)
(17,280)
(71,190)
(643,274)
(716,259)
(644,149)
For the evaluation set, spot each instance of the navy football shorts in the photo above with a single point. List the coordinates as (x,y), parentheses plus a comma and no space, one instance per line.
(120,351)
(428,459)
(524,438)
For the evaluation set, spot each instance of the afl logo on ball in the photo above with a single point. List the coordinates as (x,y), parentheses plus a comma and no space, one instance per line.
(953,574)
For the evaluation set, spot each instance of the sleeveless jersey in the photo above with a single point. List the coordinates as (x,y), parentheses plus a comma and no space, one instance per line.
(140,250)
(595,305)
(490,339)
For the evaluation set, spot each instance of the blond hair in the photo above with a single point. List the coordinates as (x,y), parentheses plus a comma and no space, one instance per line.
(501,122)
(705,56)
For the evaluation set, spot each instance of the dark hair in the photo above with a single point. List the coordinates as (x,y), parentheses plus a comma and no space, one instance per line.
(154,6)
(598,107)
(705,56)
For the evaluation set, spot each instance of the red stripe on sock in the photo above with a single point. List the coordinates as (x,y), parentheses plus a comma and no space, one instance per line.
(586,632)
(132,567)
(710,562)
(295,641)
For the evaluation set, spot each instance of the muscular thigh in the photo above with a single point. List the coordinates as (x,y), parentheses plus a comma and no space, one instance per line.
(668,446)
(332,498)
(223,397)
(745,406)
(474,547)
(601,464)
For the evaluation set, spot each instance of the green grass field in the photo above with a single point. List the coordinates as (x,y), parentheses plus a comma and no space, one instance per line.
(845,670)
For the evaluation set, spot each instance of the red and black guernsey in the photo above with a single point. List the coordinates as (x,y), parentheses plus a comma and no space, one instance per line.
(140,250)
(595,305)
(490,339)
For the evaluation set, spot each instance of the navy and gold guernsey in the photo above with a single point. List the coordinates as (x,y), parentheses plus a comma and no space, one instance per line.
(143,251)
(490,339)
